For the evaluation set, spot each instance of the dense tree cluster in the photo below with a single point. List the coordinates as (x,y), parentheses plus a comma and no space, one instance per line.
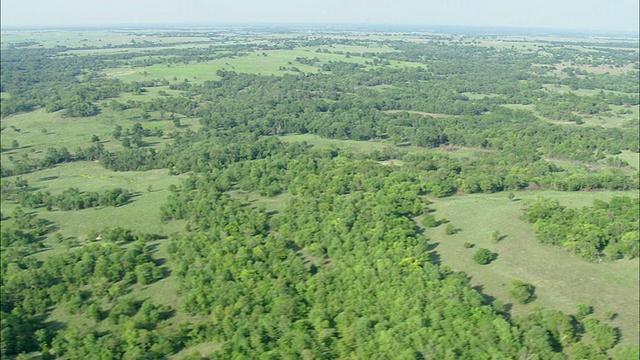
(315,280)
(80,280)
(606,229)
(74,199)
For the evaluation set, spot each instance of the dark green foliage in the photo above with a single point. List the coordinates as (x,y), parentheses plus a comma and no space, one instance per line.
(429,220)
(583,310)
(609,229)
(30,288)
(325,276)
(17,333)
(74,199)
(521,291)
(604,335)
(483,256)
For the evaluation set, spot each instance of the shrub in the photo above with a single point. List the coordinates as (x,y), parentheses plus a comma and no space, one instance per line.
(450,230)
(521,291)
(483,256)
(583,310)
(429,221)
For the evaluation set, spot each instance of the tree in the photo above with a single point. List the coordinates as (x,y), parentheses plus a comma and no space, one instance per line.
(521,291)
(117,132)
(483,256)
(429,221)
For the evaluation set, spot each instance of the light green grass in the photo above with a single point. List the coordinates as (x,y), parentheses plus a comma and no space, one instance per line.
(478,96)
(77,132)
(580,92)
(272,204)
(633,159)
(608,119)
(324,143)
(357,48)
(149,93)
(561,279)
(203,350)
(254,63)
(368,146)
(141,214)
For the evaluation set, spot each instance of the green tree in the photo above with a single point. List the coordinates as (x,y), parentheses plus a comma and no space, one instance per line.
(521,291)
(483,256)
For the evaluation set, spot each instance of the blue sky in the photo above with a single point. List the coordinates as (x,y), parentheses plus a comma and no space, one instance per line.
(608,15)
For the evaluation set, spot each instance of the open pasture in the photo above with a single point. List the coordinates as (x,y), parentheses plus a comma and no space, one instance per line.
(142,213)
(561,280)
(268,62)
(38,130)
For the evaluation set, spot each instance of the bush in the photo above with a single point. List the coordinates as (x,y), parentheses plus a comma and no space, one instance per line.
(468,245)
(429,221)
(521,291)
(583,310)
(483,256)
(450,230)
(604,335)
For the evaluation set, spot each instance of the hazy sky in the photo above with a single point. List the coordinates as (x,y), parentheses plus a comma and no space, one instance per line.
(613,15)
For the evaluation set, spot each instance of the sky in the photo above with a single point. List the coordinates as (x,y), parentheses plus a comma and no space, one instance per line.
(599,15)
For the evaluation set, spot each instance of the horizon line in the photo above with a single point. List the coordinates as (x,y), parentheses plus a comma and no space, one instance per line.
(406,27)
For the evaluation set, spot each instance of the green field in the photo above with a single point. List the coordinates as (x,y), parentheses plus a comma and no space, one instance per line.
(255,63)
(39,130)
(142,213)
(561,280)
(632,159)
(324,143)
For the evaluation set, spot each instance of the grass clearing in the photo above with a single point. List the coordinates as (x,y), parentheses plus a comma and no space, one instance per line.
(561,279)
(323,143)
(600,69)
(39,130)
(557,88)
(268,62)
(419,113)
(633,159)
(368,146)
(142,213)
(275,204)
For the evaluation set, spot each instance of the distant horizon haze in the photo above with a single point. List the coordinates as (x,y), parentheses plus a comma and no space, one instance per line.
(588,15)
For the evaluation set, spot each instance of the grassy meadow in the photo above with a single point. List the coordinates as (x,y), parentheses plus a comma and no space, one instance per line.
(561,280)
(142,213)
(268,62)
(39,130)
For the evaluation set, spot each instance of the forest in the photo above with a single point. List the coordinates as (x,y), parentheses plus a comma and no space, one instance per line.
(254,194)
